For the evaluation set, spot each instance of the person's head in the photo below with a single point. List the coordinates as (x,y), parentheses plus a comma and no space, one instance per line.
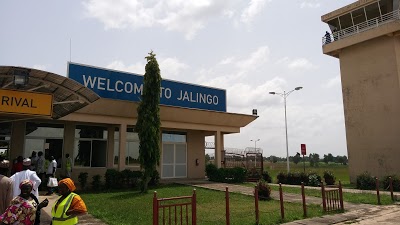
(66,186)
(33,154)
(51,158)
(67,155)
(26,187)
(40,153)
(26,163)
(20,159)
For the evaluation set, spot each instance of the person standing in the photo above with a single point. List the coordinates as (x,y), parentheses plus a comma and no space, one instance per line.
(6,188)
(34,159)
(40,168)
(51,172)
(69,206)
(22,209)
(26,174)
(68,166)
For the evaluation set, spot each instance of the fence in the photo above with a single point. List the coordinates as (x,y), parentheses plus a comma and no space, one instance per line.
(177,212)
(332,198)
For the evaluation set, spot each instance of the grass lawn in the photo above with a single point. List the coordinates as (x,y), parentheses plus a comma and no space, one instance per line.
(132,207)
(341,172)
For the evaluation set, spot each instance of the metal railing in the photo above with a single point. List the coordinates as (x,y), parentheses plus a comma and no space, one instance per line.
(361,27)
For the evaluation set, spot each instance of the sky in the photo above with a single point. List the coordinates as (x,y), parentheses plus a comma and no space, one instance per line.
(249,48)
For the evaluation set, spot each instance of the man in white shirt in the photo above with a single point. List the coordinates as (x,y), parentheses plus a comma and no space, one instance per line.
(23,175)
(51,172)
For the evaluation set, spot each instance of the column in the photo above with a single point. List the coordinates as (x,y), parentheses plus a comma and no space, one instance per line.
(122,146)
(218,148)
(110,146)
(17,140)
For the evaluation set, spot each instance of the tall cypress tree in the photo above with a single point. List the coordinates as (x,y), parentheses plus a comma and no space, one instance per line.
(148,123)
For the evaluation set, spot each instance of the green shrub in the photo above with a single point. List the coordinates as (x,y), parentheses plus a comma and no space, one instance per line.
(238,174)
(395,183)
(212,172)
(113,179)
(264,190)
(266,177)
(329,177)
(96,183)
(314,179)
(226,175)
(82,178)
(282,178)
(366,182)
(254,174)
(130,178)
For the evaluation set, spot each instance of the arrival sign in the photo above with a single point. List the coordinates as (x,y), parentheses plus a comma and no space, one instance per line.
(22,102)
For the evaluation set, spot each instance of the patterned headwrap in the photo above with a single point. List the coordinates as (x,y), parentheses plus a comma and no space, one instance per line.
(26,182)
(69,183)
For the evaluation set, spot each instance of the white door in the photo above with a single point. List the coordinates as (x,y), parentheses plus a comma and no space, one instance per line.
(174,160)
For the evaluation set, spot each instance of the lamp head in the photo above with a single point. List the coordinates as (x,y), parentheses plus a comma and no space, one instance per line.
(272,93)
(298,88)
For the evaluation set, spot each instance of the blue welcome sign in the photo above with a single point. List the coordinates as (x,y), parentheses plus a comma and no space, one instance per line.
(128,86)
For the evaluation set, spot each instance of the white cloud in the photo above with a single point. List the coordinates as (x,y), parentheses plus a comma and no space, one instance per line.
(253,9)
(186,16)
(137,68)
(169,67)
(333,82)
(310,4)
(257,58)
(227,61)
(301,63)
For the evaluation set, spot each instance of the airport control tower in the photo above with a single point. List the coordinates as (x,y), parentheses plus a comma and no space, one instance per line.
(365,37)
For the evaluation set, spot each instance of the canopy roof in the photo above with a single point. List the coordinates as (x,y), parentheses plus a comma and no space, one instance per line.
(68,95)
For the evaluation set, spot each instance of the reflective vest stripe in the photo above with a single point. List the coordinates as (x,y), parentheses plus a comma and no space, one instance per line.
(63,216)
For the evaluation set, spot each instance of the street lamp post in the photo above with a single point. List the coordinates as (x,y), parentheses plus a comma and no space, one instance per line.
(284,95)
(255,151)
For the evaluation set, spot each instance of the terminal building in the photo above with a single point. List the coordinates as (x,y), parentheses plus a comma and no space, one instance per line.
(91,115)
(365,37)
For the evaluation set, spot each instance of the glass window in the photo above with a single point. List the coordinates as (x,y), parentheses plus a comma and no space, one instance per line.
(131,148)
(345,21)
(174,137)
(372,11)
(83,131)
(132,153)
(334,24)
(90,148)
(5,129)
(358,16)
(386,6)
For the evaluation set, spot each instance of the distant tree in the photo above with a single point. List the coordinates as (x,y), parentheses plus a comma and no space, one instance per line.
(330,157)
(273,159)
(148,122)
(314,159)
(325,159)
(342,159)
(296,158)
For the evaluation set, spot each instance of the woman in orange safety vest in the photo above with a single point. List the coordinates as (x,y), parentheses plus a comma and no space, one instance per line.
(68,206)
